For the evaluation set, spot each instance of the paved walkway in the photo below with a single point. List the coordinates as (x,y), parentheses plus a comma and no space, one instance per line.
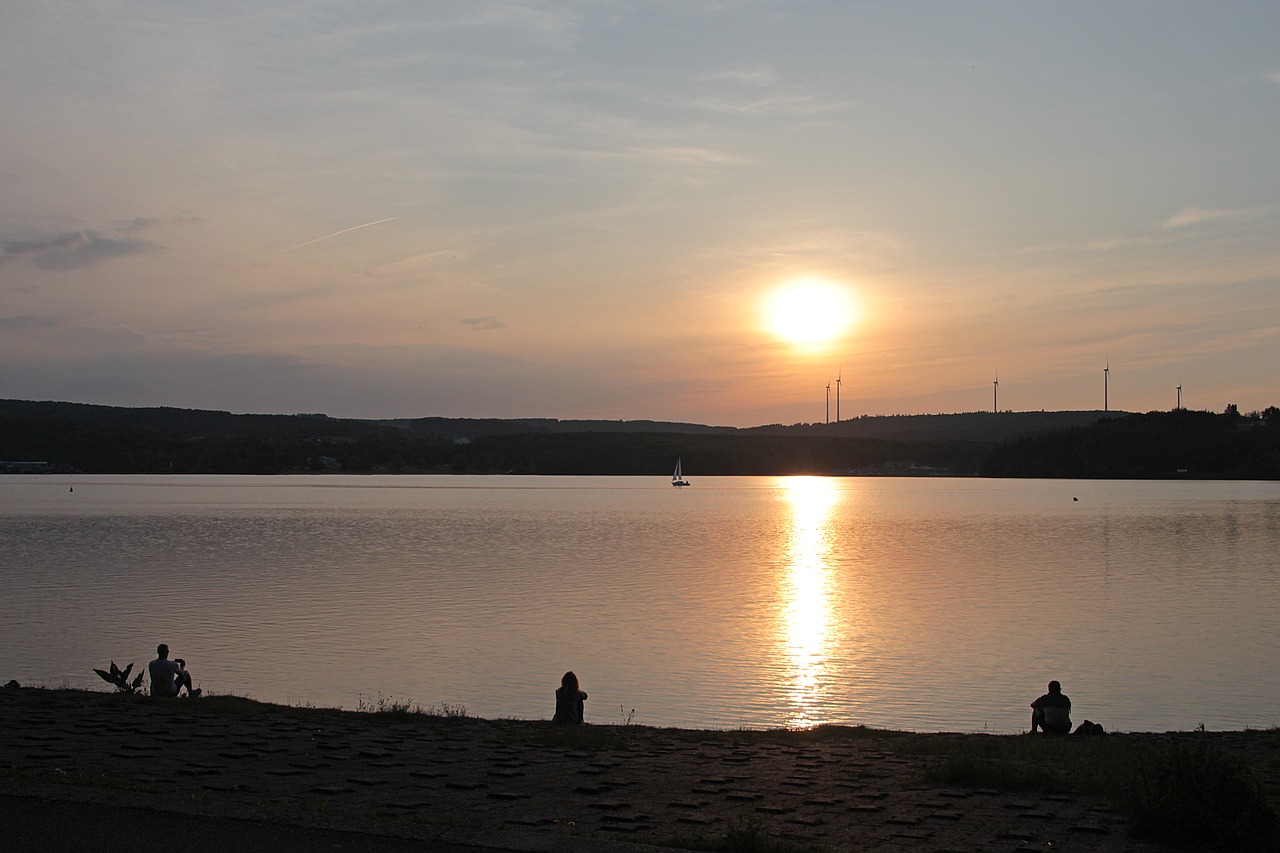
(33,822)
(285,779)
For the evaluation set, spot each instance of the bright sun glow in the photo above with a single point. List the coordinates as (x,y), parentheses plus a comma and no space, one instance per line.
(809,312)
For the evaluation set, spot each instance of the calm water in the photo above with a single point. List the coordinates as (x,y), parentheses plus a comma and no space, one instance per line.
(927,604)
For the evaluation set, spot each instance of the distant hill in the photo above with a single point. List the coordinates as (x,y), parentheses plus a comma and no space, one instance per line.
(185,423)
(480,427)
(192,423)
(110,439)
(968,426)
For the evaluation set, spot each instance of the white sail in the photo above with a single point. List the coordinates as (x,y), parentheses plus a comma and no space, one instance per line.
(677,479)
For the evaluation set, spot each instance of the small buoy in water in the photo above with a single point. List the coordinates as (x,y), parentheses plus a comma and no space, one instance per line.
(1075,499)
(72,489)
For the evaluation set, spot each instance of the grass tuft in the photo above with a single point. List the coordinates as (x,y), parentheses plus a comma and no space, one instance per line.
(447,710)
(385,704)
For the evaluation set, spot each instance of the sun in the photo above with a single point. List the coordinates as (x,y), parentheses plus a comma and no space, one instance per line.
(809,312)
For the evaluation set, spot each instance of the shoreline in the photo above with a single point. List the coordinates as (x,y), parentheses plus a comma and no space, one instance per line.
(507,784)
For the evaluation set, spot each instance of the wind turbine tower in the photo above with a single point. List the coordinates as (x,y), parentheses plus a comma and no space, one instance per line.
(1179,406)
(1106,383)
(837,398)
(995,395)
(828,401)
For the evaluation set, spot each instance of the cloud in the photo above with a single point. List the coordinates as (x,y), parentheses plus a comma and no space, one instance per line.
(257,300)
(76,250)
(11,249)
(345,381)
(141,223)
(27,321)
(439,256)
(1196,215)
(138,223)
(782,104)
(1111,244)
(688,155)
(484,324)
(758,75)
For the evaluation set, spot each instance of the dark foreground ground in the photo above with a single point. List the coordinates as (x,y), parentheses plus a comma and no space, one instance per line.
(98,771)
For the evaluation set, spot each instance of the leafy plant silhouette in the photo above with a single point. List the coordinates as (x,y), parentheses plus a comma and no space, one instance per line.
(120,678)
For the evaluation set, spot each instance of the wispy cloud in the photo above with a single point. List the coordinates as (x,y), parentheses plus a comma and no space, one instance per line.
(1195,215)
(417,262)
(28,321)
(483,324)
(1111,244)
(687,155)
(771,105)
(143,223)
(756,75)
(72,251)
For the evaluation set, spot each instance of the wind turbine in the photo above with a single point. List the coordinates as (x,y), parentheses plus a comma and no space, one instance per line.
(837,398)
(1106,386)
(828,401)
(995,394)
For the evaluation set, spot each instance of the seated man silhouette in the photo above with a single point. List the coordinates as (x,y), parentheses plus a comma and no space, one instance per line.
(1051,713)
(168,677)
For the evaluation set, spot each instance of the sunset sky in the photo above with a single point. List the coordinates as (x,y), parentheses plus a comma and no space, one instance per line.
(585,208)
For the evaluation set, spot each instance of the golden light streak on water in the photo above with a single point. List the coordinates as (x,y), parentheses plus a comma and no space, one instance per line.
(806,593)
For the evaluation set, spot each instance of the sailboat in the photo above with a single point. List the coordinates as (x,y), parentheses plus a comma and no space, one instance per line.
(677,479)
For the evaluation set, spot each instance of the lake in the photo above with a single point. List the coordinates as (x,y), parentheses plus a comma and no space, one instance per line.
(929,604)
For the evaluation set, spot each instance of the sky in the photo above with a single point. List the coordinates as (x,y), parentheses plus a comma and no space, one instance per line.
(589,208)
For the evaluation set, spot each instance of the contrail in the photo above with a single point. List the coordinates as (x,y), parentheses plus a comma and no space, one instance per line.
(336,233)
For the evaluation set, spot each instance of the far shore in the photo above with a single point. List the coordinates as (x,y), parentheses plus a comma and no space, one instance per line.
(400,772)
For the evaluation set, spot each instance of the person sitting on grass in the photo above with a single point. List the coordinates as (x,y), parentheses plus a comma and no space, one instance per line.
(1051,713)
(569,701)
(168,677)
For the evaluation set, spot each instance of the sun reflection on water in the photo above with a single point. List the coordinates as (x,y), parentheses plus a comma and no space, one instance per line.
(806,595)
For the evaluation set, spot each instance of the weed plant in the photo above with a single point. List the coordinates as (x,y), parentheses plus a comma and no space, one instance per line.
(386,705)
(120,678)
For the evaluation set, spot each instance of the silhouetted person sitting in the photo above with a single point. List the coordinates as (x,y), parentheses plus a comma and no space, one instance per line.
(168,677)
(1051,713)
(569,701)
